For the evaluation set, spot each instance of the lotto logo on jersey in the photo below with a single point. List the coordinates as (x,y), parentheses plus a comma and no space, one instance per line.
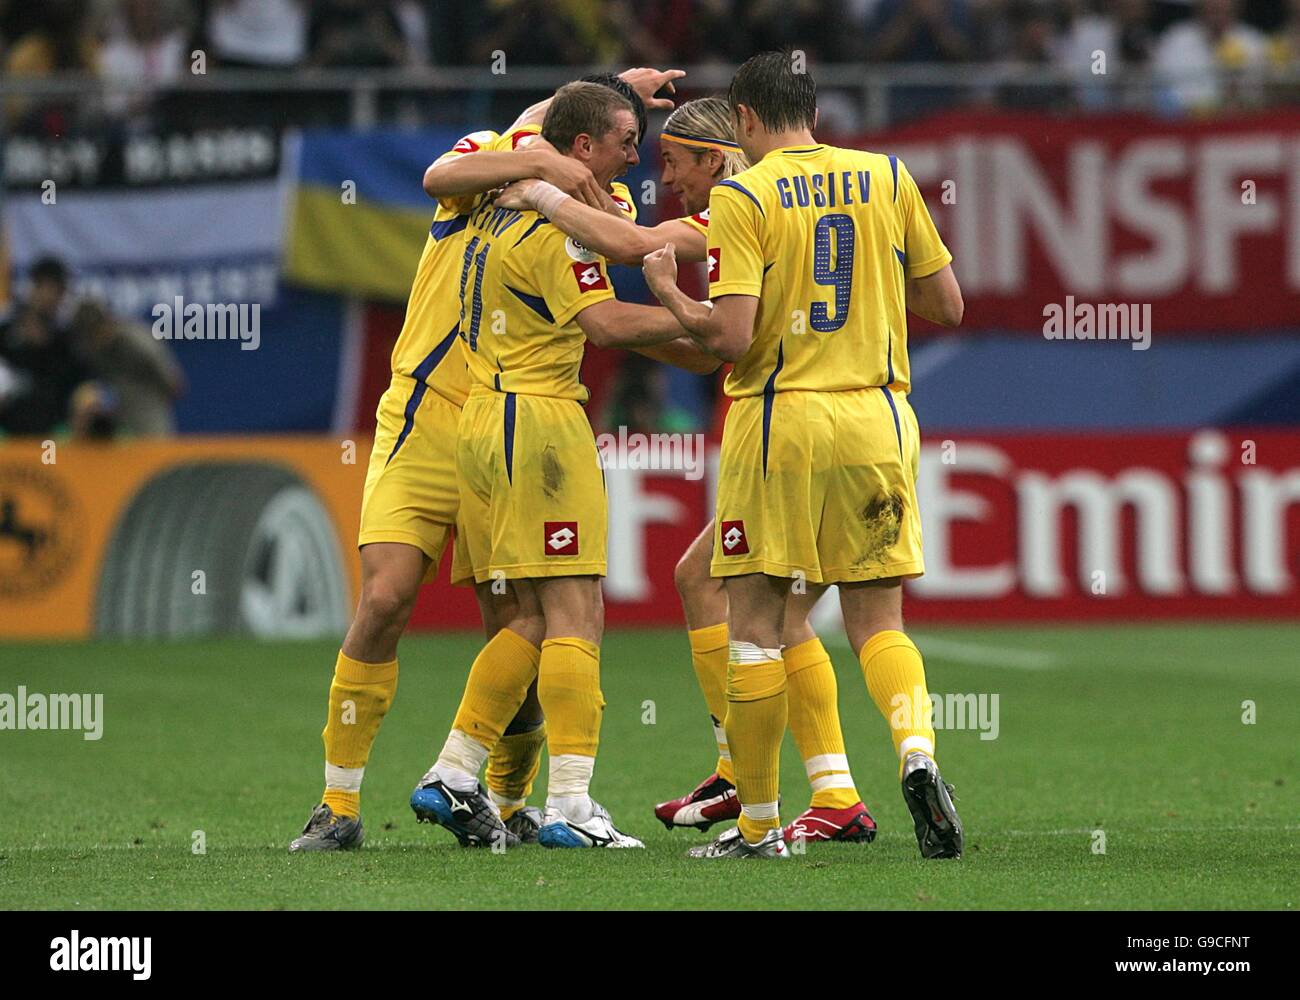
(466,145)
(561,538)
(715,262)
(624,206)
(517,137)
(734,542)
(590,277)
(702,218)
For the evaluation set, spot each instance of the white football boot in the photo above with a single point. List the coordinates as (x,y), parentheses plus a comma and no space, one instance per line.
(730,844)
(597,830)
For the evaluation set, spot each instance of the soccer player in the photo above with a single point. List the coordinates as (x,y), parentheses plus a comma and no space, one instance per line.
(812,252)
(410,499)
(699,150)
(532,492)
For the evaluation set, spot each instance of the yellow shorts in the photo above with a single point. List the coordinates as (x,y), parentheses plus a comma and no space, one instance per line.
(821,484)
(532,489)
(411,494)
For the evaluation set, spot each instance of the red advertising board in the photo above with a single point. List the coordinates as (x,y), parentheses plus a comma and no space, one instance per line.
(1109,526)
(1199,219)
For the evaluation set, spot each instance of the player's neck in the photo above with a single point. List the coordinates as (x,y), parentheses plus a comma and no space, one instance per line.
(764,142)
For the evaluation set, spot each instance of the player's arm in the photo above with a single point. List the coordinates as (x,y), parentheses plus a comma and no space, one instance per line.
(683,353)
(451,177)
(723,327)
(612,323)
(932,289)
(616,238)
(936,297)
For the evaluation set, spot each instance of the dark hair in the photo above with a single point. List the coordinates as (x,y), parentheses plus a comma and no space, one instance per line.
(578,109)
(617,83)
(768,85)
(49,269)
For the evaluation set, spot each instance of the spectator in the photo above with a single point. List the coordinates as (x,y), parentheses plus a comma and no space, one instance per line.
(136,371)
(1124,37)
(1284,52)
(40,369)
(359,33)
(62,43)
(1034,48)
(147,48)
(258,34)
(1193,56)
(920,31)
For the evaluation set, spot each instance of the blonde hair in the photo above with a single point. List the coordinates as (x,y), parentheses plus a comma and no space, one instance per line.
(709,118)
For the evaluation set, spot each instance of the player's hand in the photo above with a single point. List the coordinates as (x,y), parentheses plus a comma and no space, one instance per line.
(517,195)
(660,268)
(647,82)
(570,176)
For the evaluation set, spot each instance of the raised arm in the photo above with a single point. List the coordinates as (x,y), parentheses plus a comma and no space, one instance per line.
(486,170)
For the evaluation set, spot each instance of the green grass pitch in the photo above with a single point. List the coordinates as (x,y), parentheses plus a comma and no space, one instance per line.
(1133,731)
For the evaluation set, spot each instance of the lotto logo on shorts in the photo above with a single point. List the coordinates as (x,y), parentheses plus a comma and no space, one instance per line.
(734,542)
(590,277)
(715,262)
(561,538)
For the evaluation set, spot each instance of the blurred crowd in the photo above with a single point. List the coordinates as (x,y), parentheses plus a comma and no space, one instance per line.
(138,47)
(70,367)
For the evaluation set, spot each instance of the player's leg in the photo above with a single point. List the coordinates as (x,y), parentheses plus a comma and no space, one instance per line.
(756,698)
(449,793)
(362,689)
(704,602)
(513,762)
(836,811)
(568,686)
(877,460)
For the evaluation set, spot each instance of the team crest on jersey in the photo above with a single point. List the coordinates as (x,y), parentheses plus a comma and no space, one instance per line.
(577,251)
(715,262)
(590,277)
(560,538)
(734,542)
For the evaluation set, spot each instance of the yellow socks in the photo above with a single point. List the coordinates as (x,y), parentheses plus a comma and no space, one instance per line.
(497,685)
(895,677)
(512,767)
(359,698)
(709,657)
(568,686)
(815,724)
(756,718)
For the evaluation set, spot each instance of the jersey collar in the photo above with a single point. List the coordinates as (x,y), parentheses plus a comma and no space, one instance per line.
(794,150)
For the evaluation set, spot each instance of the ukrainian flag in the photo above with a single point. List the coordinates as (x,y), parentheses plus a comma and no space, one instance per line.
(359,214)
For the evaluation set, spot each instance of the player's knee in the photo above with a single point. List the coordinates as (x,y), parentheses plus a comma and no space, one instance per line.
(384,605)
(686,576)
(529,627)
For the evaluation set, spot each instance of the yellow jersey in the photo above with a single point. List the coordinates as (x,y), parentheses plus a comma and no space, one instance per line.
(423,349)
(522,284)
(825,238)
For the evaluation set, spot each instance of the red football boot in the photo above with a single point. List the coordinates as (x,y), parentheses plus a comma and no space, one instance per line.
(851,824)
(713,801)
